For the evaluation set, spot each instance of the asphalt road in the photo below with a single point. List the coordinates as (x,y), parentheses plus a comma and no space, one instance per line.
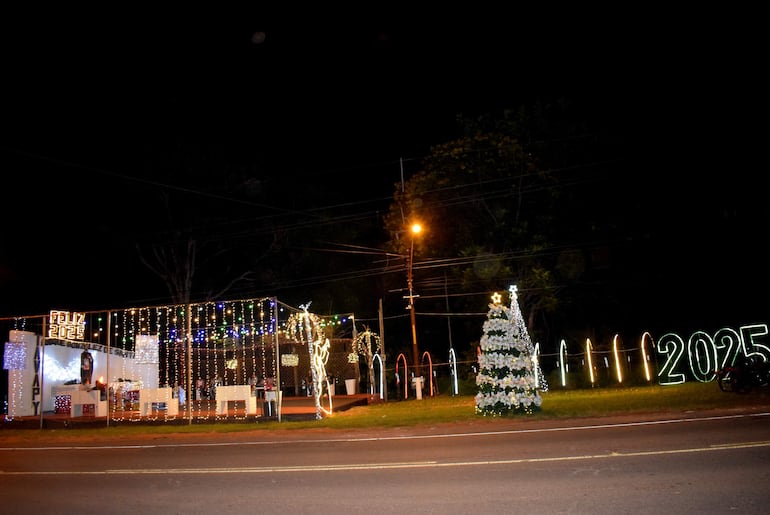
(710,462)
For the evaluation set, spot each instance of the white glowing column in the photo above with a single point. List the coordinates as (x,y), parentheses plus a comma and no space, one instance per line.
(563,362)
(616,354)
(590,360)
(430,370)
(453,362)
(645,356)
(378,359)
(406,379)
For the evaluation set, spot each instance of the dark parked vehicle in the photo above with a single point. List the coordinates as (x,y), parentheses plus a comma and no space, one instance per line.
(745,375)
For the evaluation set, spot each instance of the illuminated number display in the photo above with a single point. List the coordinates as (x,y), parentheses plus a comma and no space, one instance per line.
(703,354)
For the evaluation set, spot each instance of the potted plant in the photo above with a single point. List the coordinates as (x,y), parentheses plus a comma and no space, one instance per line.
(351,373)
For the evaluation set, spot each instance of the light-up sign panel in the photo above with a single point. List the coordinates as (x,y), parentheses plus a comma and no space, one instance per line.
(703,354)
(696,358)
(147,349)
(63,325)
(15,356)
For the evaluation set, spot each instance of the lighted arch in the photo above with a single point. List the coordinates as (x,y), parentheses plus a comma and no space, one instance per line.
(430,370)
(453,364)
(616,354)
(590,360)
(563,362)
(382,368)
(401,357)
(645,355)
(536,364)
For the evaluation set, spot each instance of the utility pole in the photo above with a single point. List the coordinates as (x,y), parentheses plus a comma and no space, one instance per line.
(384,360)
(416,229)
(415,349)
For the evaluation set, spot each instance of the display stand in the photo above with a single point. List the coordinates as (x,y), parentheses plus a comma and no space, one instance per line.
(350,386)
(77,400)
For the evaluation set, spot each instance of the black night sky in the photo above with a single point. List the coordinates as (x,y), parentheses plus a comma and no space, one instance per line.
(327,114)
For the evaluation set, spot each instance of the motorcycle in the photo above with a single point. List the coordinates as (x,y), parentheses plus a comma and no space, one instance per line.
(743,376)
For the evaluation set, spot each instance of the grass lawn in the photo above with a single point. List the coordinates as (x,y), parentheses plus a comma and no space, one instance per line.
(557,404)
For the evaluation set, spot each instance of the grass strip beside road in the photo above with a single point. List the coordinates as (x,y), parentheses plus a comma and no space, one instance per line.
(557,404)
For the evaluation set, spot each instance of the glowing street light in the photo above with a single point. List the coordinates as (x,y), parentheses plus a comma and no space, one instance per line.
(416,229)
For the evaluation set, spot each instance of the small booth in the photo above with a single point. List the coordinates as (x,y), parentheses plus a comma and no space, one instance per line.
(78,401)
(161,398)
(243,393)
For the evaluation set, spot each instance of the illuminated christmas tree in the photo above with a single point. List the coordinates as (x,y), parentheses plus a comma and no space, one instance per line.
(506,377)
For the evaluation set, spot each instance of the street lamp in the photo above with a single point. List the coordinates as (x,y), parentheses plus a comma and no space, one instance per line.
(415,229)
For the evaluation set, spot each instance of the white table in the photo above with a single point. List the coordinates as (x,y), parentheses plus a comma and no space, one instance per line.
(79,398)
(148,396)
(241,392)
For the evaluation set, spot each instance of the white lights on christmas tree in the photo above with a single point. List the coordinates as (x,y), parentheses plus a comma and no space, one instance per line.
(506,377)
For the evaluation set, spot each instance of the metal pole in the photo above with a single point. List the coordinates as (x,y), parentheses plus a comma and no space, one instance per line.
(383,368)
(188,350)
(109,352)
(40,347)
(277,356)
(415,350)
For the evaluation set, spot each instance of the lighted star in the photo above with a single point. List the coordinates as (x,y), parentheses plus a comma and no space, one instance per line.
(497,298)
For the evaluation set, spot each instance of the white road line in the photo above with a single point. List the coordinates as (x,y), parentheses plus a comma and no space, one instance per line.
(387,438)
(383,466)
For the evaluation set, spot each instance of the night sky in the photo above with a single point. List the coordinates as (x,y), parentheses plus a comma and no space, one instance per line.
(89,102)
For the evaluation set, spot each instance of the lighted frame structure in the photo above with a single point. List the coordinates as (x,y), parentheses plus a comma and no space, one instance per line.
(563,363)
(646,337)
(426,354)
(377,358)
(453,364)
(616,356)
(399,358)
(590,361)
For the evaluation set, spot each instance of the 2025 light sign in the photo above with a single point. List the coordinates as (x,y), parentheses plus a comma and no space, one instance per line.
(703,354)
